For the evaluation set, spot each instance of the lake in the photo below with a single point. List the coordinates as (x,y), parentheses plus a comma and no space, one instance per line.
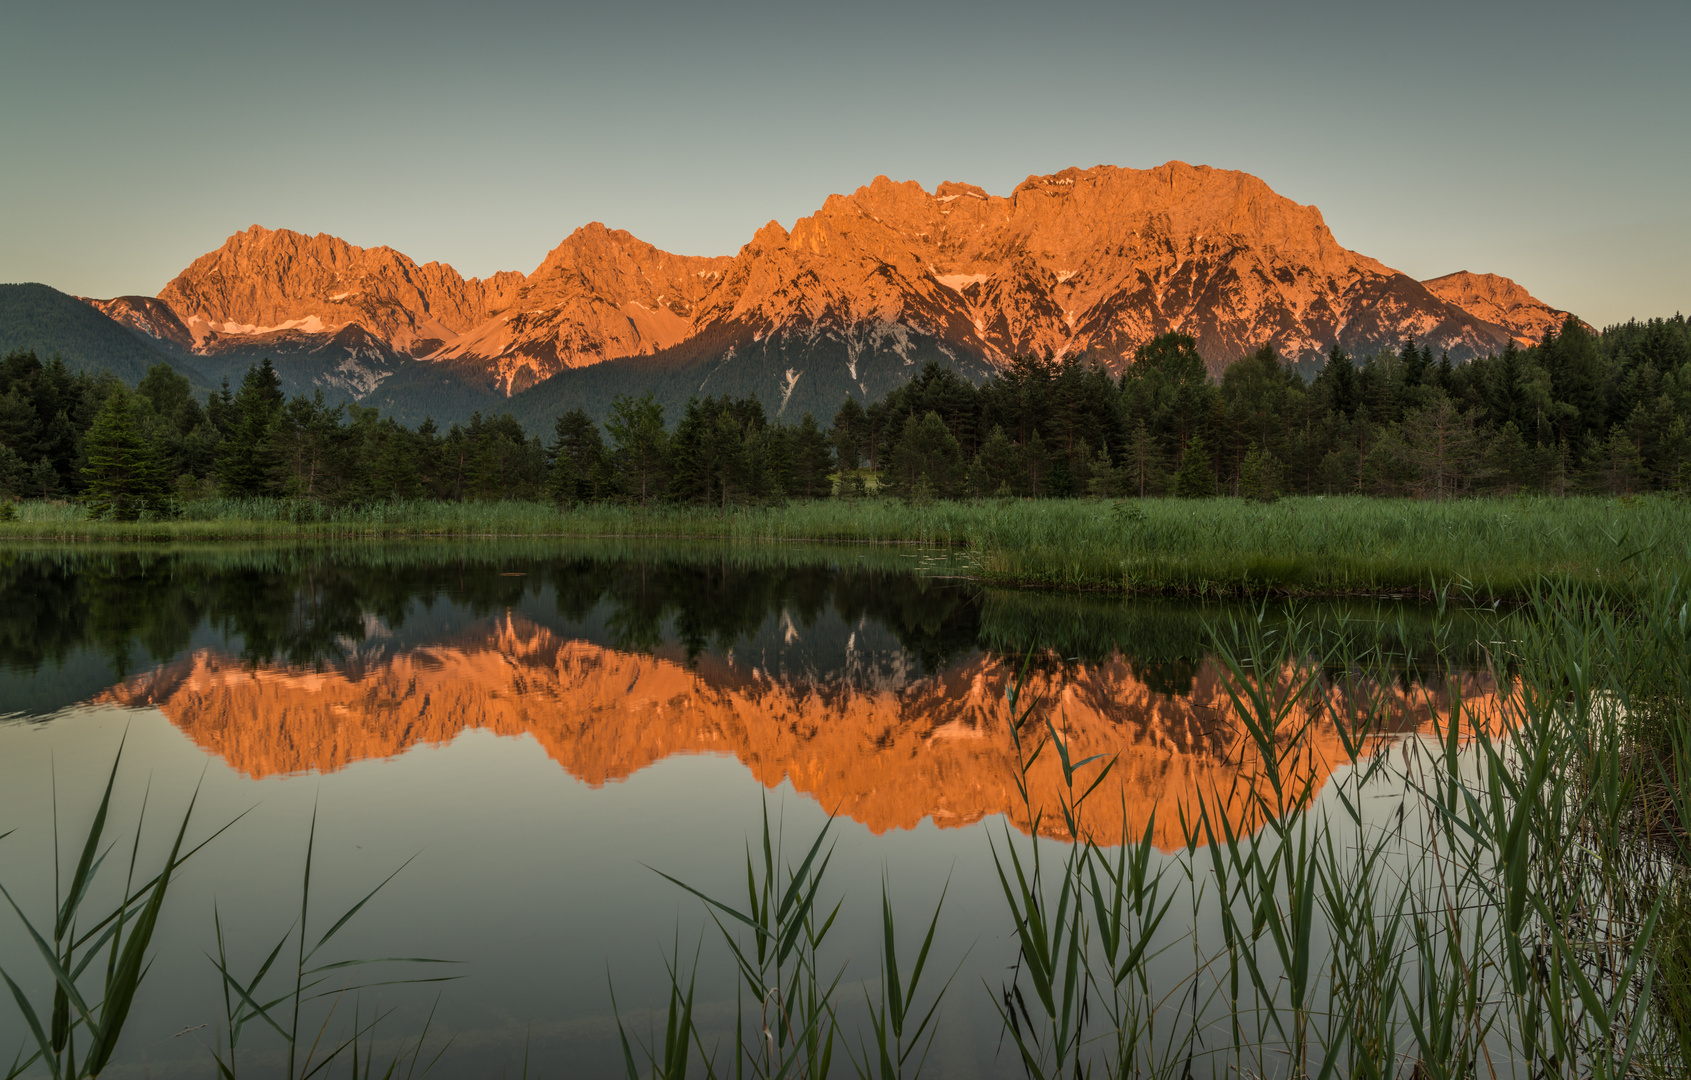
(530,732)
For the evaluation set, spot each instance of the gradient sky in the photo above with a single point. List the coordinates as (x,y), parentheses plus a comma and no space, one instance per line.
(1546,142)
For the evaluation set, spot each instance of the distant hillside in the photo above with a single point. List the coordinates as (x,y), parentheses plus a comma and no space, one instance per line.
(50,322)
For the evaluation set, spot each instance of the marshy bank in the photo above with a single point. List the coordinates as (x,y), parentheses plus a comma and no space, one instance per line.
(1310,546)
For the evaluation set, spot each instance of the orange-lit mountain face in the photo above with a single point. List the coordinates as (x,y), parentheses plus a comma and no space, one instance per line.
(1499,301)
(933,747)
(1084,262)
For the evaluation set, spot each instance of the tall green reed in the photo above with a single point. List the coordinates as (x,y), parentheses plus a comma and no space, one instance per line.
(78,1033)
(96,1004)
(794,1029)
(901,1047)
(281,999)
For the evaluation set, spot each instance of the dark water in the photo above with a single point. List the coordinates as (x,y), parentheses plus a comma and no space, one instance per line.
(539,726)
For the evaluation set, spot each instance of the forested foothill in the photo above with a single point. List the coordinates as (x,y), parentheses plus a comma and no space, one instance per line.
(1581,412)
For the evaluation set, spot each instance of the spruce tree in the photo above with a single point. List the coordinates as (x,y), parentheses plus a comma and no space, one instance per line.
(250,463)
(1195,478)
(1258,476)
(121,476)
(998,460)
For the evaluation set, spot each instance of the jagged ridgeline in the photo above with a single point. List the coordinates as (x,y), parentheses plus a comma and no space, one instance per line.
(853,300)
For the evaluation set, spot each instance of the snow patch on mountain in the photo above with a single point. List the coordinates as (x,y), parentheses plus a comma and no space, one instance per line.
(792,380)
(958,282)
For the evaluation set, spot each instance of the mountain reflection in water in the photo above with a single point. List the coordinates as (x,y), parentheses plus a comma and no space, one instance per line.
(878,694)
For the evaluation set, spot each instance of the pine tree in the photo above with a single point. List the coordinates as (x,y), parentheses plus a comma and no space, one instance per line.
(851,428)
(642,445)
(562,481)
(14,473)
(1036,466)
(727,463)
(576,459)
(812,459)
(976,480)
(1439,440)
(1508,462)
(121,476)
(1613,465)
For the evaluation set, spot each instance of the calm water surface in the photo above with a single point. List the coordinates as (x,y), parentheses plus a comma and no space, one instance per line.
(538,726)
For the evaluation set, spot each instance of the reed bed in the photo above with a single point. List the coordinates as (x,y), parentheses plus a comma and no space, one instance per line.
(1493,548)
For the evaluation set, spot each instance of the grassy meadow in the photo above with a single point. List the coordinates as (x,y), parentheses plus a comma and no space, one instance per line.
(1491,548)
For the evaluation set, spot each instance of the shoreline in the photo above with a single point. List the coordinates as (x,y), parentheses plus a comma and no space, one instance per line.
(1305,547)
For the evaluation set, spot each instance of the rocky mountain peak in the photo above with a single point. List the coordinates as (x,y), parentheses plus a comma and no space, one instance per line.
(263,281)
(1496,299)
(600,294)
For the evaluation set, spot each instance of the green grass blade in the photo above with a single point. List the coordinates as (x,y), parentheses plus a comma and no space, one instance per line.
(355,909)
(81,878)
(61,977)
(126,978)
(27,1010)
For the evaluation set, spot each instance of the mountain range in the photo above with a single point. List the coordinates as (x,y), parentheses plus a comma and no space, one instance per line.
(852,300)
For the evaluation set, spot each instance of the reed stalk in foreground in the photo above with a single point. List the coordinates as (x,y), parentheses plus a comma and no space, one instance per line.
(285,1009)
(97,1014)
(794,1029)
(897,1040)
(76,940)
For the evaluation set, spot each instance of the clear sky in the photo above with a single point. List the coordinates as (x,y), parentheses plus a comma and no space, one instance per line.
(1550,142)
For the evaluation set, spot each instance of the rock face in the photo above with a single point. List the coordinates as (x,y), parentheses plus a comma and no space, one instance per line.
(599,295)
(1085,262)
(1499,301)
(263,282)
(148,316)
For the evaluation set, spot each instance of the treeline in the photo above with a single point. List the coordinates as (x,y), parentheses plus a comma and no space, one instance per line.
(1579,412)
